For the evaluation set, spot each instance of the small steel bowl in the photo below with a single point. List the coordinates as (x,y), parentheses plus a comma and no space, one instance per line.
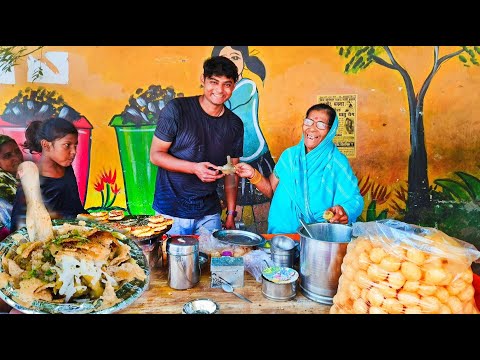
(282,242)
(201,306)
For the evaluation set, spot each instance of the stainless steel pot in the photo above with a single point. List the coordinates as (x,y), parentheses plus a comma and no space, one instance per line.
(321,259)
(278,292)
(279,283)
(183,262)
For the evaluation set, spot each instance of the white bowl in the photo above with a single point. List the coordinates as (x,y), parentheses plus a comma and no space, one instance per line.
(201,306)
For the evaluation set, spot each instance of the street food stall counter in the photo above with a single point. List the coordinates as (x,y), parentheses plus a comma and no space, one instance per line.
(160,298)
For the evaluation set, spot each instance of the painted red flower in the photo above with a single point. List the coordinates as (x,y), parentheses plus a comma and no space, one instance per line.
(109,178)
(115,189)
(99,186)
(106,186)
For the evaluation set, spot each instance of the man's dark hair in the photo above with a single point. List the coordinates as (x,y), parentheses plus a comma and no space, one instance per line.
(220,66)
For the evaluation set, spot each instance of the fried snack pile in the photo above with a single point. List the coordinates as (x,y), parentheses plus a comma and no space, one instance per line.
(115,215)
(78,264)
(103,216)
(147,227)
(409,270)
(236,250)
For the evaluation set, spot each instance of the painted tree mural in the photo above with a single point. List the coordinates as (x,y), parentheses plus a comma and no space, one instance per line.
(11,56)
(360,58)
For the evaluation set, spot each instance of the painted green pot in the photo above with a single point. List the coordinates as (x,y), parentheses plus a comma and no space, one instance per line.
(139,173)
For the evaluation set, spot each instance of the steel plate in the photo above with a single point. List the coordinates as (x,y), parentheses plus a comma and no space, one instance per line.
(239,237)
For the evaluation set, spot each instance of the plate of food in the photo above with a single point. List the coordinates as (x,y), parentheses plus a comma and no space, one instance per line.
(85,267)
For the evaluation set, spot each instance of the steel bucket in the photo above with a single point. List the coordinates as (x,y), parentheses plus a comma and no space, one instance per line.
(321,259)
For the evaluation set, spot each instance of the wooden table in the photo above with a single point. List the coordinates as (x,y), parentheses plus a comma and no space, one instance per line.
(161,299)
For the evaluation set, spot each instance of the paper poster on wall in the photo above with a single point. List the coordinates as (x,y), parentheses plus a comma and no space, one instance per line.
(346,107)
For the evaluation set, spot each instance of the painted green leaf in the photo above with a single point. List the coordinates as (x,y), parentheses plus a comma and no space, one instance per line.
(358,62)
(457,190)
(462,58)
(472,182)
(372,211)
(382,215)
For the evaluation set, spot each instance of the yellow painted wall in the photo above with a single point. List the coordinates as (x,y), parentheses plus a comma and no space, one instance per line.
(102,78)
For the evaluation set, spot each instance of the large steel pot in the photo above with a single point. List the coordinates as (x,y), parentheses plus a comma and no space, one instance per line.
(321,258)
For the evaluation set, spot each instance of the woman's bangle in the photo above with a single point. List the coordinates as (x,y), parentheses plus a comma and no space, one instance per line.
(256,178)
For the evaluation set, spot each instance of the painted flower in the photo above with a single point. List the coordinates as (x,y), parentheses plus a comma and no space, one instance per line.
(107,187)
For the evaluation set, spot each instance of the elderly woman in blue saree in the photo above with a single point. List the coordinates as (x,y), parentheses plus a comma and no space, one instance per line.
(309,178)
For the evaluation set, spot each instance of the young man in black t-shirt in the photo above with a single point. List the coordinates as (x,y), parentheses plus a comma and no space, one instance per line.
(193,137)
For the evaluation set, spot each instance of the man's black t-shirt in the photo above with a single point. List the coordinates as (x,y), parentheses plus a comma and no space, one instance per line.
(197,137)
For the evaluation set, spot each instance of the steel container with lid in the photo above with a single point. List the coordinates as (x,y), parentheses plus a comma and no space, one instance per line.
(183,262)
(279,283)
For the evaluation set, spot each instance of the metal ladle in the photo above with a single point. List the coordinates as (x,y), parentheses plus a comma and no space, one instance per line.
(305,226)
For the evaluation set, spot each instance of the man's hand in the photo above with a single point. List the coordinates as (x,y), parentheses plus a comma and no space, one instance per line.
(207,172)
(230,223)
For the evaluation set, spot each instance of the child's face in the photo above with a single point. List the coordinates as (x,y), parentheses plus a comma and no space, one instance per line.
(63,150)
(10,157)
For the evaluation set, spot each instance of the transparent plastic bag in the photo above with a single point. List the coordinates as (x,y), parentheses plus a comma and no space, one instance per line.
(255,261)
(396,268)
(210,245)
